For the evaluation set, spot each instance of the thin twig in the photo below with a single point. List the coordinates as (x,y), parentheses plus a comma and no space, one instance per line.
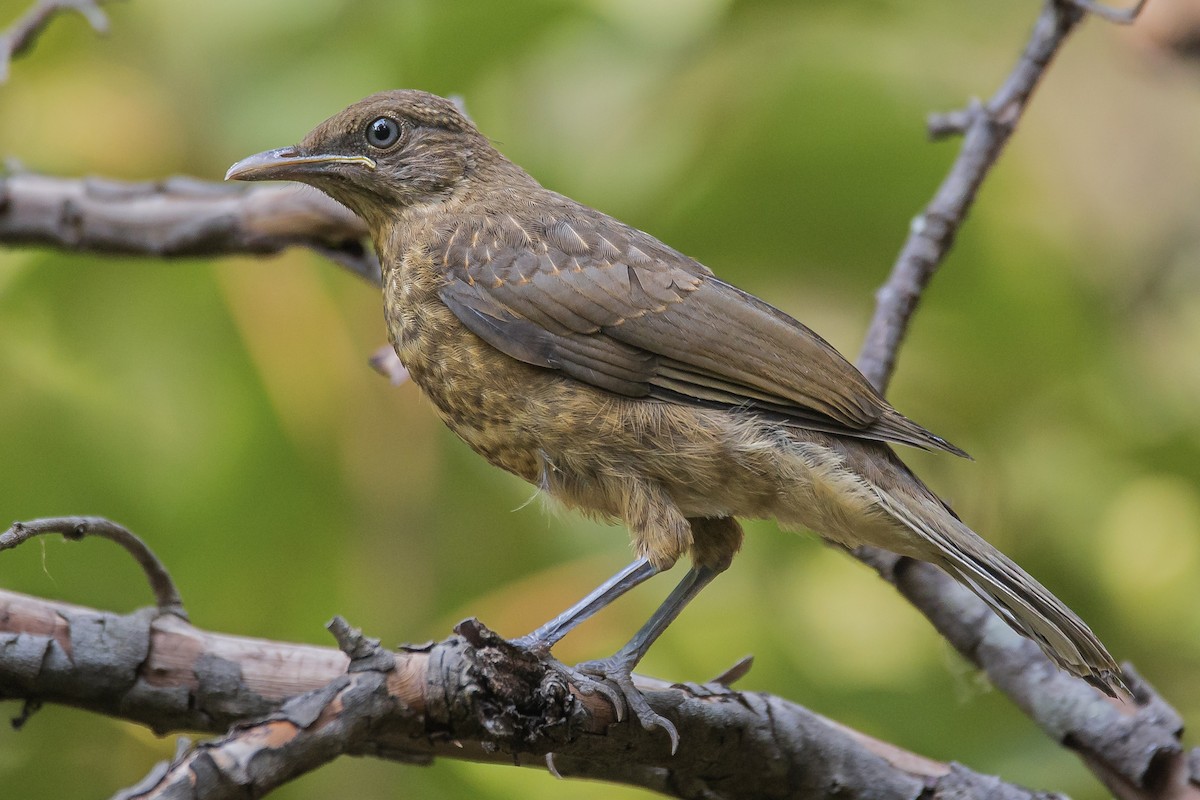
(21,35)
(986,128)
(1120,16)
(388,364)
(166,595)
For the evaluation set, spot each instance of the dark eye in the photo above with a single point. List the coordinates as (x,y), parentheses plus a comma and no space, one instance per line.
(383,133)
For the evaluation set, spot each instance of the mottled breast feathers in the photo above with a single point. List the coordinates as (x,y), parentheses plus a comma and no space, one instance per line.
(613,307)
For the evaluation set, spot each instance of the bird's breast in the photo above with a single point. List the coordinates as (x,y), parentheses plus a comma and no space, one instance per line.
(480,393)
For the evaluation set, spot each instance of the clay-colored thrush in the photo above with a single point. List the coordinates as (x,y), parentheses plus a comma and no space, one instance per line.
(626,380)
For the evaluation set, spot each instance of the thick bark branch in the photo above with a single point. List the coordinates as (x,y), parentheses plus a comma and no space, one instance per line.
(473,696)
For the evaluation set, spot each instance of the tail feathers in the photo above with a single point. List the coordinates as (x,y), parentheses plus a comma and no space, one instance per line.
(1016,597)
(1031,609)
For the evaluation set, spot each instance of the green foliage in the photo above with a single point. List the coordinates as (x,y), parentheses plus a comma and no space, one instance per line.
(224,411)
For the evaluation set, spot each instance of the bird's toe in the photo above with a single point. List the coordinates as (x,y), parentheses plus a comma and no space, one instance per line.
(613,678)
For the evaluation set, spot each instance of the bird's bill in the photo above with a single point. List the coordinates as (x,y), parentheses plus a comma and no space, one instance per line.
(286,164)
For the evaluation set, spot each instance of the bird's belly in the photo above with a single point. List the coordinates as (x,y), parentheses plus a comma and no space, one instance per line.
(713,463)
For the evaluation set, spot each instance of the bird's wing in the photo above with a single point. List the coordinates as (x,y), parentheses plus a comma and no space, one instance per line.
(615,308)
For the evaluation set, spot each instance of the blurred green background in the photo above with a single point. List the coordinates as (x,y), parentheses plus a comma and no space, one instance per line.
(224,410)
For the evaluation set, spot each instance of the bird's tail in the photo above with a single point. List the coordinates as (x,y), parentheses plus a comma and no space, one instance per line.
(1013,594)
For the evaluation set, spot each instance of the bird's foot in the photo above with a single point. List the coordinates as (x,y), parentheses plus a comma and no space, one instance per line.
(586,684)
(613,678)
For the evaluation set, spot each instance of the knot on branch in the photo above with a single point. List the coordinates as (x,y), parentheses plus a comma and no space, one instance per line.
(511,699)
(998,118)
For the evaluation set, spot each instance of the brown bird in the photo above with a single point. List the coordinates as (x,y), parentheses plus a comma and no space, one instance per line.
(626,380)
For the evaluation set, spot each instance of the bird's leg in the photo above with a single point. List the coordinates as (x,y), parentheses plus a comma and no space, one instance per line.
(541,640)
(617,669)
(545,637)
(687,589)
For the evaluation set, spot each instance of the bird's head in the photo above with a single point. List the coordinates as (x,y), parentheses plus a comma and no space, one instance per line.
(390,151)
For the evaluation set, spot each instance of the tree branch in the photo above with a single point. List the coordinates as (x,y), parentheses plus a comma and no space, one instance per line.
(21,35)
(1067,709)
(986,128)
(166,595)
(473,696)
(179,217)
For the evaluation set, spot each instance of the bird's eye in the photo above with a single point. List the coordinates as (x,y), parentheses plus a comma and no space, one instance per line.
(383,133)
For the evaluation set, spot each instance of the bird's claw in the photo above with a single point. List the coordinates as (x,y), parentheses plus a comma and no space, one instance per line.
(613,678)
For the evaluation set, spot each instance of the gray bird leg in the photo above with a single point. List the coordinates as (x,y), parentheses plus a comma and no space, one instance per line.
(548,635)
(633,651)
(617,669)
